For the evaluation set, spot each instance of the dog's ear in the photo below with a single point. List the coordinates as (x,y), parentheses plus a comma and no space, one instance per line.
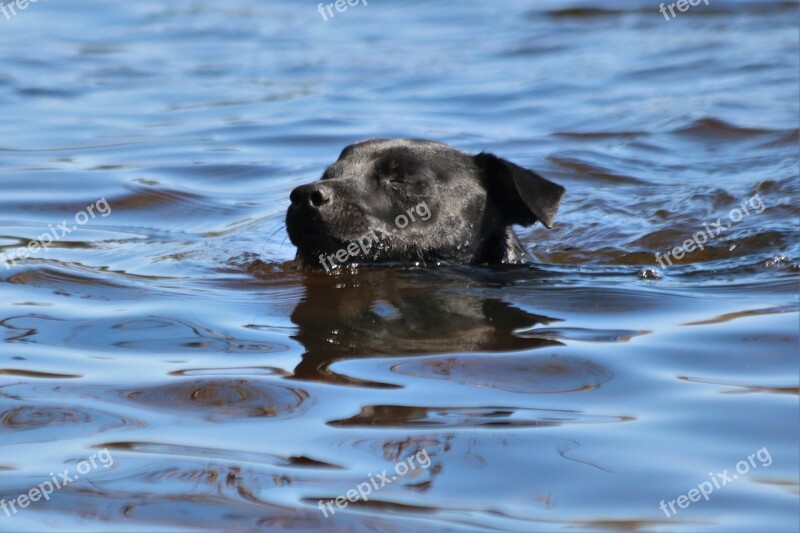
(522,195)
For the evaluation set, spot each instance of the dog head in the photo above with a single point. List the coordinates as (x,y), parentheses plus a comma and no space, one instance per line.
(412,200)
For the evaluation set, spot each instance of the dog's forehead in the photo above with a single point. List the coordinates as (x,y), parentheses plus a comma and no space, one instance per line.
(375,148)
(364,154)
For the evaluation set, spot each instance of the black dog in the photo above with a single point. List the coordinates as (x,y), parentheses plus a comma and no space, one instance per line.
(407,201)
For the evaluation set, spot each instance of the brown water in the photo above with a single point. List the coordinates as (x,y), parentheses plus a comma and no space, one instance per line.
(221,387)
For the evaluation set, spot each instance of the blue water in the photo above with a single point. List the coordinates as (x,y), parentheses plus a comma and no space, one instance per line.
(217,386)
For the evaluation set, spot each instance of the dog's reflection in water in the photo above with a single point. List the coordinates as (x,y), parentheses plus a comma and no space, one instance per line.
(384,312)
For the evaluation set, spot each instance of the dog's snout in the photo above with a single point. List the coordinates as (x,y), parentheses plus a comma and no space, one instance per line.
(319,197)
(313,194)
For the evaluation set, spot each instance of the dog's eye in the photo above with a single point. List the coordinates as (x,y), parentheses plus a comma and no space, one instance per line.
(395,173)
(400,172)
(397,182)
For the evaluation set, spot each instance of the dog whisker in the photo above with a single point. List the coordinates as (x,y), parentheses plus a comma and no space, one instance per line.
(282,243)
(270,236)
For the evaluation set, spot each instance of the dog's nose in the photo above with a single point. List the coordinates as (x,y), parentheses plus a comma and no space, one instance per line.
(313,194)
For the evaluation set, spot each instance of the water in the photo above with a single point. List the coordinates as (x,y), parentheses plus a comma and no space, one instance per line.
(233,391)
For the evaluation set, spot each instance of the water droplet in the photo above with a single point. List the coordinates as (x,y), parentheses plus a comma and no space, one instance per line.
(649,273)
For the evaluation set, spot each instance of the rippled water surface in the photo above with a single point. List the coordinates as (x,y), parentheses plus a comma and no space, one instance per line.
(221,387)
